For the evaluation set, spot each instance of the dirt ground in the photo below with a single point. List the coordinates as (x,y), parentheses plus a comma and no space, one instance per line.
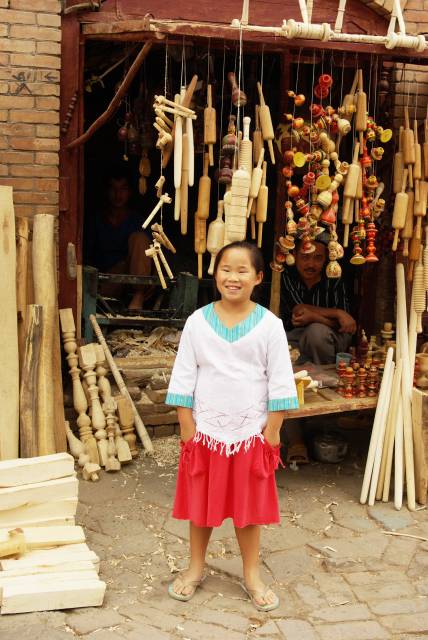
(339,575)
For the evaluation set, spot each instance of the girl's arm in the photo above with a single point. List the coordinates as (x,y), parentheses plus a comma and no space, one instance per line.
(273,427)
(187,423)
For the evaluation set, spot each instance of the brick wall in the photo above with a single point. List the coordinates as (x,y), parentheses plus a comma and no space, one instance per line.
(30,49)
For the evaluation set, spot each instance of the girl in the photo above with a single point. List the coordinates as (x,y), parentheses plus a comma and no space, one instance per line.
(231,382)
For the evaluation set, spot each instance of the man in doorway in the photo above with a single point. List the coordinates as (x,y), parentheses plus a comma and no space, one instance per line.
(314,308)
(315,312)
(117,242)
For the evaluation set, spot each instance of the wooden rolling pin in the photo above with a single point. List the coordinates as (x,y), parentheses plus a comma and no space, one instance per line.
(407,231)
(349,192)
(184,188)
(421,206)
(347,109)
(246,147)
(139,425)
(400,210)
(417,169)
(200,241)
(257,137)
(167,152)
(425,148)
(409,156)
(256,181)
(210,131)
(178,147)
(398,164)
(204,192)
(266,123)
(419,294)
(361,113)
(262,206)
(215,237)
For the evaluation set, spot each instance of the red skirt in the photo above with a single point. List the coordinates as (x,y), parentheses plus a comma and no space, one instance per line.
(212,486)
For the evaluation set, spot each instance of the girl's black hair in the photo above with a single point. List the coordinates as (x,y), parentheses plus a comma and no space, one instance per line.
(256,259)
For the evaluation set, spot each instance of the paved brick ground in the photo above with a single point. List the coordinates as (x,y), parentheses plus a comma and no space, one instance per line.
(338,575)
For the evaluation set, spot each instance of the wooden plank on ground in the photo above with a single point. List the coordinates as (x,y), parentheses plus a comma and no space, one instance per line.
(55,512)
(27,494)
(43,578)
(72,565)
(45,537)
(49,557)
(50,596)
(39,469)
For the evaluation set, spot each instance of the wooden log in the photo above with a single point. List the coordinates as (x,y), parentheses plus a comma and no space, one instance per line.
(14,473)
(46,537)
(71,565)
(22,234)
(28,445)
(79,552)
(54,512)
(9,371)
(23,495)
(139,425)
(420,440)
(59,414)
(45,295)
(67,594)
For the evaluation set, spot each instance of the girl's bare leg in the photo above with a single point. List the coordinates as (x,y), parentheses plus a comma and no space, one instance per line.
(199,538)
(249,544)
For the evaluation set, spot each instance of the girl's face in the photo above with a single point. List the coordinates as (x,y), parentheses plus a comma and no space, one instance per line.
(236,276)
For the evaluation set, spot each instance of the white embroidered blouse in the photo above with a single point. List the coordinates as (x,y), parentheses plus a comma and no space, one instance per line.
(232,377)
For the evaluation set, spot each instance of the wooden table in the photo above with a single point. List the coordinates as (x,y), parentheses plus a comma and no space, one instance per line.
(325,401)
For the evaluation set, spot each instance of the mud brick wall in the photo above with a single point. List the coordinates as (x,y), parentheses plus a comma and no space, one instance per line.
(30,62)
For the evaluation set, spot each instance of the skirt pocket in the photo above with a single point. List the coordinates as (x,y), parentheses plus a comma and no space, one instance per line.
(266,460)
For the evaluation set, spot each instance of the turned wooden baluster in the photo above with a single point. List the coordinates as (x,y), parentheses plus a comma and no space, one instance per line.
(78,451)
(87,359)
(122,447)
(126,419)
(112,463)
(80,402)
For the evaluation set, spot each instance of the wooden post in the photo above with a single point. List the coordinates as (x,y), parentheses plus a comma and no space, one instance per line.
(420,440)
(44,294)
(28,393)
(22,233)
(9,371)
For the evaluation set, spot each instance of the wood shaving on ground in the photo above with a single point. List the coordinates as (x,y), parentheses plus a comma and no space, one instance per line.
(166,451)
(126,343)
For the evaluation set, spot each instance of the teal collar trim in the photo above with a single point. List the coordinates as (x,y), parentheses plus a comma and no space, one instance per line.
(239,330)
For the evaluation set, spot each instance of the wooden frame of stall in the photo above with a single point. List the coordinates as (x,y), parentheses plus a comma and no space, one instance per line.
(122,20)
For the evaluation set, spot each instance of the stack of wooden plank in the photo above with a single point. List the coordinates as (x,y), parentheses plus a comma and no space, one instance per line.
(44,561)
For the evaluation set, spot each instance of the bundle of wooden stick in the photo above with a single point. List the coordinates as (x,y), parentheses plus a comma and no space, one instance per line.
(399,428)
(31,384)
(45,562)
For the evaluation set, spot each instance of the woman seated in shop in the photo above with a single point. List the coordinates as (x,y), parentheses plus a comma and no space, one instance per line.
(117,242)
(315,308)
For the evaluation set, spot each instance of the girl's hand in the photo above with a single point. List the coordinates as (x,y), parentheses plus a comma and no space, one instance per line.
(187,433)
(271,436)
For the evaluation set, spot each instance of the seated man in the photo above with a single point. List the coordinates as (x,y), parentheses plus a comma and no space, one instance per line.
(314,308)
(117,242)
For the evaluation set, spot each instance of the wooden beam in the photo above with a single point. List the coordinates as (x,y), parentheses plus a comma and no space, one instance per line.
(136,30)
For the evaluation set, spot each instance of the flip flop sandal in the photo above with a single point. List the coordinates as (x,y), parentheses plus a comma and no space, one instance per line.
(183,584)
(260,594)
(297,453)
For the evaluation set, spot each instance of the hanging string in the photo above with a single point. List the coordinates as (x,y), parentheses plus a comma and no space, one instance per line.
(375,89)
(310,134)
(238,117)
(342,78)
(370,83)
(353,119)
(263,66)
(208,61)
(416,101)
(221,117)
